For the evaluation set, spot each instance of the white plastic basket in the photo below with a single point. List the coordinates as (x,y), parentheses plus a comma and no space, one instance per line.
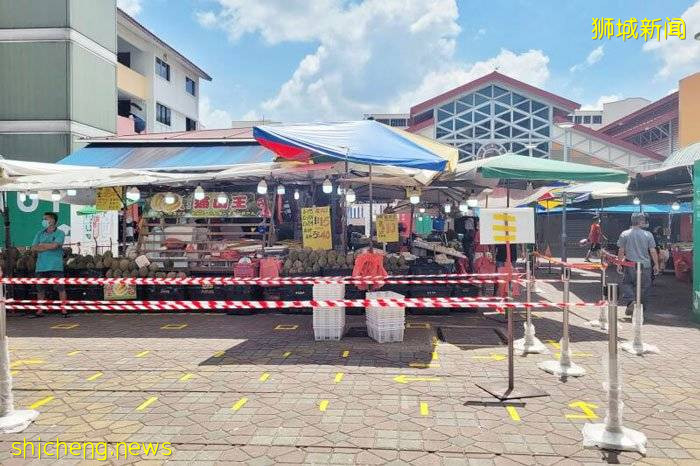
(329,316)
(322,333)
(385,334)
(386,313)
(322,291)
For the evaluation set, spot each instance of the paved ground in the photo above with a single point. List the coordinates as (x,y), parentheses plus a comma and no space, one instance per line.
(258,390)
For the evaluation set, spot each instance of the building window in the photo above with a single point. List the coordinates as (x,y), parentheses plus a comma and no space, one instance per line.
(398,122)
(162,114)
(162,69)
(190,124)
(597,119)
(587,120)
(577,119)
(190,86)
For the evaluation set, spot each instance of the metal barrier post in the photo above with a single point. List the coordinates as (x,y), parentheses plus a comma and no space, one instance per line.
(564,367)
(529,343)
(611,435)
(637,346)
(602,321)
(11,421)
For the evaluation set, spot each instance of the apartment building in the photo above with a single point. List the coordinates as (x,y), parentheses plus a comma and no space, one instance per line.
(611,111)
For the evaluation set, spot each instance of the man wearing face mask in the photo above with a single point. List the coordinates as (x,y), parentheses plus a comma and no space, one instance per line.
(48,244)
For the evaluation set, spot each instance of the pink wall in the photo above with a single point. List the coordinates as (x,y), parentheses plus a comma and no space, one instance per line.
(125,126)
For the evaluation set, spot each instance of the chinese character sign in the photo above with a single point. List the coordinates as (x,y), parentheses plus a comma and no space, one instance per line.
(229,205)
(387,228)
(647,29)
(500,226)
(316,227)
(109,199)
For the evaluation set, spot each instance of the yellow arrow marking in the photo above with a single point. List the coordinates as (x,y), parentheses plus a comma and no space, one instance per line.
(14,372)
(504,238)
(338,377)
(424,409)
(423,365)
(435,356)
(73,353)
(491,357)
(417,325)
(286,327)
(173,326)
(506,228)
(219,354)
(94,376)
(513,413)
(586,408)
(407,379)
(287,354)
(264,377)
(146,403)
(577,355)
(20,362)
(346,353)
(323,405)
(142,353)
(239,404)
(41,402)
(65,326)
(504,217)
(186,377)
(555,344)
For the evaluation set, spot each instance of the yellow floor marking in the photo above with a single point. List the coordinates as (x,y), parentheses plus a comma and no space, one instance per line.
(20,362)
(73,353)
(146,403)
(346,353)
(94,376)
(41,402)
(424,408)
(491,357)
(555,344)
(586,408)
(239,404)
(286,327)
(417,325)
(323,405)
(65,326)
(287,354)
(264,377)
(173,326)
(338,377)
(435,356)
(219,354)
(407,379)
(142,353)
(14,372)
(186,377)
(423,365)
(513,413)
(575,355)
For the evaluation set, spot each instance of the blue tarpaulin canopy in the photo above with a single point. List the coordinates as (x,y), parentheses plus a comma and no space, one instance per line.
(366,142)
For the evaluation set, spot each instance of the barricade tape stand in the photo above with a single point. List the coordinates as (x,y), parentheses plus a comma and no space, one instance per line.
(637,345)
(611,435)
(11,420)
(602,320)
(564,367)
(529,344)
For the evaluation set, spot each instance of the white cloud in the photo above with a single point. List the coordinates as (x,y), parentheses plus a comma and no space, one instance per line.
(678,56)
(211,117)
(130,7)
(480,33)
(593,57)
(603,99)
(375,55)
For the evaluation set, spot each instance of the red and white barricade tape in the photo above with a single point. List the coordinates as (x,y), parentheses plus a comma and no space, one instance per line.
(571,265)
(612,259)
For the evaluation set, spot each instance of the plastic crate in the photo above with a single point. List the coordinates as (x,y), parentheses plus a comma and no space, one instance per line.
(323,291)
(383,334)
(325,333)
(246,270)
(386,313)
(329,316)
(295,293)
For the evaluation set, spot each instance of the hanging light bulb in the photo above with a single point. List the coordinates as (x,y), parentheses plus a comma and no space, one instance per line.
(296,194)
(463,207)
(421,210)
(133,194)
(350,196)
(281,189)
(636,201)
(71,192)
(327,186)
(33,195)
(23,196)
(448,208)
(55,195)
(414,198)
(221,198)
(675,206)
(169,198)
(340,190)
(262,187)
(199,193)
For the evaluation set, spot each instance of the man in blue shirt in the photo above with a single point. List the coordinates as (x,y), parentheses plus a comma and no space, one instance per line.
(48,244)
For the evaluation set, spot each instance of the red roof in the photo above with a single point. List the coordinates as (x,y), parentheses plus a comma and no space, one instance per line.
(664,104)
(492,78)
(202,134)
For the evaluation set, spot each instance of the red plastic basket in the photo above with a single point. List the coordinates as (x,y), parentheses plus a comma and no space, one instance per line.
(246,270)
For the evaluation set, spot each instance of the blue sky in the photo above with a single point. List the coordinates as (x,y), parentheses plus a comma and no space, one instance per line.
(295,60)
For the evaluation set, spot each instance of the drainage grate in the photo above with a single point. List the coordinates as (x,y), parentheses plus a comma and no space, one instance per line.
(357,332)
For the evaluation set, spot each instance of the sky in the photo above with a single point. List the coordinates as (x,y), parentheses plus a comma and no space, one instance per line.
(332,60)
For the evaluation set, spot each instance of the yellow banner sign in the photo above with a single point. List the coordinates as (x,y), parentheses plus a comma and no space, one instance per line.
(387,228)
(316,227)
(109,198)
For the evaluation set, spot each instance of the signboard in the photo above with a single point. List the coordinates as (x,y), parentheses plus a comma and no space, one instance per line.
(696,235)
(500,226)
(109,199)
(93,230)
(387,228)
(234,205)
(316,227)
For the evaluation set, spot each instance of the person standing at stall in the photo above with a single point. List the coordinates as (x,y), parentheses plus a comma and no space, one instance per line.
(48,244)
(636,245)
(595,238)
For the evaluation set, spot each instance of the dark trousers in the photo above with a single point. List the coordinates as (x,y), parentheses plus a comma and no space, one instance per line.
(628,287)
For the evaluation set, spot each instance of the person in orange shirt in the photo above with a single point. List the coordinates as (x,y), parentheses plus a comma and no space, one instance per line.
(595,238)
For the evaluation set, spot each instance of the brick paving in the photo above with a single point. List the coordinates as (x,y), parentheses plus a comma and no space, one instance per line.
(233,389)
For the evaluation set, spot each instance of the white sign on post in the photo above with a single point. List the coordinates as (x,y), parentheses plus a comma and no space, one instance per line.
(501,226)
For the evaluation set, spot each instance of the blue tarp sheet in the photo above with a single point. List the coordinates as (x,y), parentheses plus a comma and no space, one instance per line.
(168,157)
(366,142)
(685,208)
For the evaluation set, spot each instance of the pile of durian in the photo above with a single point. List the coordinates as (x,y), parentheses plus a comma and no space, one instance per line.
(308,261)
